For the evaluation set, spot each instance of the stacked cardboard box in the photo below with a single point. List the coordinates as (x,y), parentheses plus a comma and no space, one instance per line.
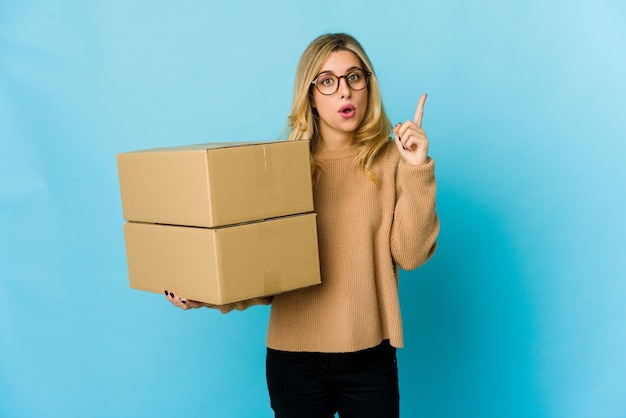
(220,223)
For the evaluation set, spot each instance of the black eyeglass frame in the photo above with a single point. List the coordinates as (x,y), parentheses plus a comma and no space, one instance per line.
(367,75)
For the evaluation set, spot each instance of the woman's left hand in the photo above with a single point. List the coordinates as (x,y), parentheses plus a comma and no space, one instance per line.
(411,139)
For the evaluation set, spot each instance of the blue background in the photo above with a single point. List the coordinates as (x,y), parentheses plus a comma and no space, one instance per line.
(521,313)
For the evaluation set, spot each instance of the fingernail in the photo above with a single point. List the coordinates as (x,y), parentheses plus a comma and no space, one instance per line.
(171,294)
(167,293)
(183,301)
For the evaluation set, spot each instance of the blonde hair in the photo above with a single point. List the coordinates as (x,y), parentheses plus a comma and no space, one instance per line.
(375,129)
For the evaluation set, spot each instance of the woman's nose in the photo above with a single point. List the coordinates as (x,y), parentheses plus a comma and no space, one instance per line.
(344,88)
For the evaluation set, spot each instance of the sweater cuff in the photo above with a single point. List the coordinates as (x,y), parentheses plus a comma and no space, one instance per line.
(427,168)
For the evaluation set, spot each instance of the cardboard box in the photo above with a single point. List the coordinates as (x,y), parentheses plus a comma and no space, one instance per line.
(224,265)
(213,185)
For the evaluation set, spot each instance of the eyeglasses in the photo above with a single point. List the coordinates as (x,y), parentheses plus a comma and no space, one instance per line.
(328,84)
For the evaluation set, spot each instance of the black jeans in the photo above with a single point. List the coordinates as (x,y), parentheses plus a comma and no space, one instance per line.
(316,385)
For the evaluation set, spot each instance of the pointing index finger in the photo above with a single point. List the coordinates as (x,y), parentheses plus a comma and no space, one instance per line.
(419,112)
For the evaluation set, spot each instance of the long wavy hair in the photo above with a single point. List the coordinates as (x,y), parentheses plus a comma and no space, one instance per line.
(375,129)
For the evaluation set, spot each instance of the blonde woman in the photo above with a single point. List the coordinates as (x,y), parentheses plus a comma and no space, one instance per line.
(332,348)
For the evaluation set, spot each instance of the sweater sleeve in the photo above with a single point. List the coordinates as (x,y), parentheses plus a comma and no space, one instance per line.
(415,223)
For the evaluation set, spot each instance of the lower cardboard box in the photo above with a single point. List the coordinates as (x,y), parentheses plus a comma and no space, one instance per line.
(226,264)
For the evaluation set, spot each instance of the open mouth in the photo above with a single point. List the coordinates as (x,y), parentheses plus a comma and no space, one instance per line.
(347,111)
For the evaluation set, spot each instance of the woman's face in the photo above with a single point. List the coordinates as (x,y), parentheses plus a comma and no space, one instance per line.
(340,113)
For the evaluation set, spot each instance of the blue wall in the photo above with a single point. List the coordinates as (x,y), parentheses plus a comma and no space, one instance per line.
(520,313)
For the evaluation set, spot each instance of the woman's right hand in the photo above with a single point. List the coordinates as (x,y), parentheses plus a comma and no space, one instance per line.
(183,303)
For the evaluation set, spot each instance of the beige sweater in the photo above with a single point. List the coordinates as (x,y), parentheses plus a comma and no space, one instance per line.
(364,231)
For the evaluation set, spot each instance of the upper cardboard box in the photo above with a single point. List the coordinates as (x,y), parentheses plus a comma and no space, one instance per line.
(218,184)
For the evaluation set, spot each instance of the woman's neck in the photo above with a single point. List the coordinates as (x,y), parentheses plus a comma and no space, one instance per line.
(336,142)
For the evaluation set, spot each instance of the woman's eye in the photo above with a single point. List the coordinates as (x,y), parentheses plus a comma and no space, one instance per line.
(327,81)
(354,77)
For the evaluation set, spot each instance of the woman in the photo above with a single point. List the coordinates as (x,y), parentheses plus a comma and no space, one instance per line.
(331,348)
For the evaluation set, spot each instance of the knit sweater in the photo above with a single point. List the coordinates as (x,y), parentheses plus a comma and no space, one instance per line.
(365,230)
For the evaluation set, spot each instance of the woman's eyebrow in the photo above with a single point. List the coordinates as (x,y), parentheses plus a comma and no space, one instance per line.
(354,67)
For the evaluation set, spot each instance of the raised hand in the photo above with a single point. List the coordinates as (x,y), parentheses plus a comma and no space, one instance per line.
(411,138)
